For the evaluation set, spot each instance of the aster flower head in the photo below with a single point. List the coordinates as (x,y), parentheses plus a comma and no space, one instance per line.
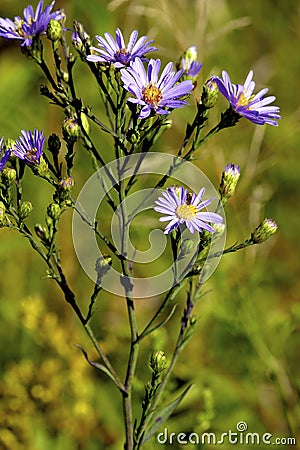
(116,52)
(29,146)
(33,24)
(242,100)
(188,62)
(4,154)
(181,207)
(155,93)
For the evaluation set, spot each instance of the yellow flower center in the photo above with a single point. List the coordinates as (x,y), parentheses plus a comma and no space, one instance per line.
(31,154)
(122,51)
(244,100)
(152,94)
(186,212)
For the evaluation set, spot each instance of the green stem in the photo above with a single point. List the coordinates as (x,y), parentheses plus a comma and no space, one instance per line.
(48,74)
(128,287)
(168,299)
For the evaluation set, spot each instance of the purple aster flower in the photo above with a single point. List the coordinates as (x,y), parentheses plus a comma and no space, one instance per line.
(115,51)
(188,62)
(242,100)
(33,24)
(155,93)
(182,207)
(4,154)
(29,146)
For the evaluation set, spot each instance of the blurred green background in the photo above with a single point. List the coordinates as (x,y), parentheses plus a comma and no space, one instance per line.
(244,358)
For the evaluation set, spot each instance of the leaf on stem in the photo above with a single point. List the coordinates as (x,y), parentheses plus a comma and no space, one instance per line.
(98,366)
(162,415)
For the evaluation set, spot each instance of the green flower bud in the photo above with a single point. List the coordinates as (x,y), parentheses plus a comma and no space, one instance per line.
(133,136)
(209,94)
(54,211)
(2,214)
(49,222)
(230,178)
(65,76)
(25,209)
(10,143)
(9,175)
(54,144)
(219,230)
(71,130)
(42,169)
(54,30)
(158,361)
(190,54)
(265,229)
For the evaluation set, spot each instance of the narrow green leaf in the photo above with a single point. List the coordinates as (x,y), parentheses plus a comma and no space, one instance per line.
(97,365)
(159,417)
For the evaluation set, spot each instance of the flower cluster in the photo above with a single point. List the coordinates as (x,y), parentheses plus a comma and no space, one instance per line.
(33,24)
(181,207)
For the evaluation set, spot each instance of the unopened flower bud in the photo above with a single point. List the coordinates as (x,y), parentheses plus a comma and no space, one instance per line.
(102,266)
(10,143)
(158,361)
(133,136)
(25,209)
(41,232)
(80,38)
(209,94)
(54,144)
(66,184)
(2,214)
(42,168)
(70,129)
(49,222)
(219,229)
(54,211)
(265,229)
(54,30)
(9,175)
(229,180)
